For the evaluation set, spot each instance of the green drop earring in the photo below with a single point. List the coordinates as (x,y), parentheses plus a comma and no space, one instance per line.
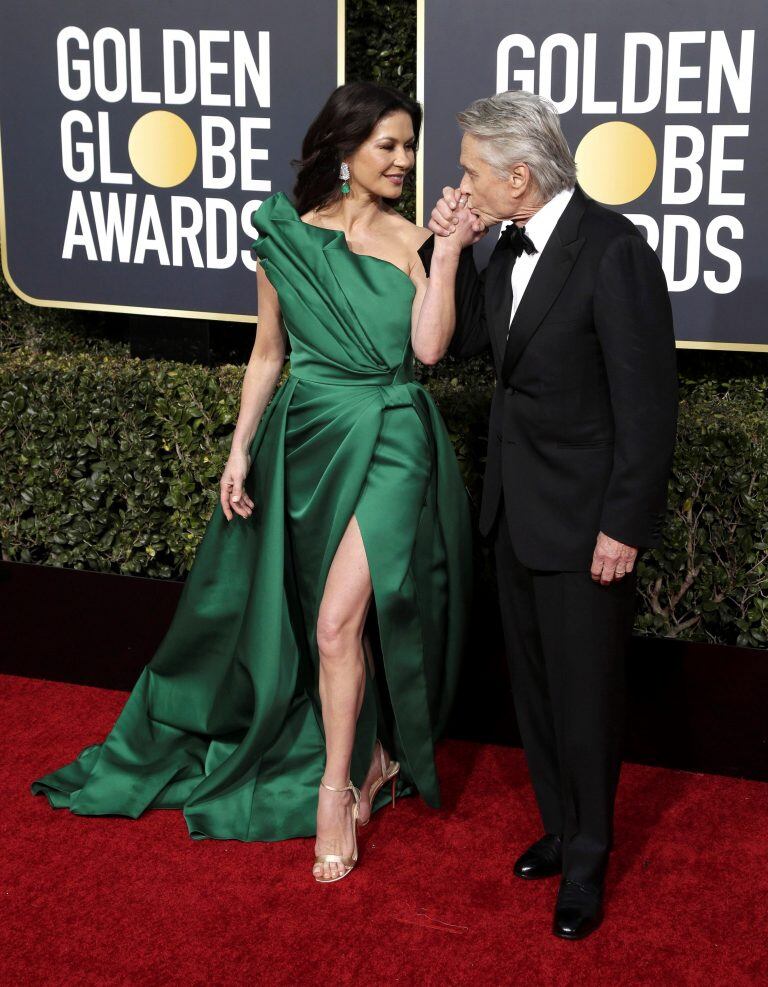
(344,175)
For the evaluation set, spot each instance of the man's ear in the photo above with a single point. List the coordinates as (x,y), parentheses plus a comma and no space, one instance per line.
(519,178)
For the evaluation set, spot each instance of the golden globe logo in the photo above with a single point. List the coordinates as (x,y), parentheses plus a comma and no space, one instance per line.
(217,68)
(683,73)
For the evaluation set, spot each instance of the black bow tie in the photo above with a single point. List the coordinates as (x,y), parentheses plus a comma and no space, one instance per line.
(514,238)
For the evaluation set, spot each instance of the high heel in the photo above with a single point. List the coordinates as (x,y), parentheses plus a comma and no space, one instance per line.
(388,773)
(327,858)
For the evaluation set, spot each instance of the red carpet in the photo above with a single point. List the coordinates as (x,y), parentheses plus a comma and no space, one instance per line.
(433,901)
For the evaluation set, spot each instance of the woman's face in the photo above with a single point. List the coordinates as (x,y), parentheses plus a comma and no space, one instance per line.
(379,165)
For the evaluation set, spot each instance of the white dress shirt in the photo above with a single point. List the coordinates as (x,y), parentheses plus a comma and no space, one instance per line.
(539,228)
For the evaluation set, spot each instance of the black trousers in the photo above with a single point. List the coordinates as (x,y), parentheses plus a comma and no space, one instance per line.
(566,640)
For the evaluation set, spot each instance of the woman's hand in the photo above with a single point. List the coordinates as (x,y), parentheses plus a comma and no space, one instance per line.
(467,230)
(233,496)
(454,223)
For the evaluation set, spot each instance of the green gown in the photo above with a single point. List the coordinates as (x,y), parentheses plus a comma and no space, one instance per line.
(225,721)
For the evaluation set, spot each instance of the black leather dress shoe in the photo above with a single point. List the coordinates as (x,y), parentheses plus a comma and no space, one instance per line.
(579,910)
(543,859)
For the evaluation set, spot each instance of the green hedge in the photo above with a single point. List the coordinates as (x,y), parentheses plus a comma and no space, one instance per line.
(709,581)
(112,464)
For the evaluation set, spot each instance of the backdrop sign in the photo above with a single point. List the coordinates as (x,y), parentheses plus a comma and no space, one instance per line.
(666,109)
(137,139)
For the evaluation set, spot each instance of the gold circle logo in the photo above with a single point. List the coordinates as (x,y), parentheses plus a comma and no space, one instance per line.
(616,162)
(162,148)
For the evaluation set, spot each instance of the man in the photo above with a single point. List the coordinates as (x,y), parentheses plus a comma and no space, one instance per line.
(575,308)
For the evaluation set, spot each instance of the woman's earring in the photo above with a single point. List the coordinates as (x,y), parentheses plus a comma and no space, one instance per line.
(344,175)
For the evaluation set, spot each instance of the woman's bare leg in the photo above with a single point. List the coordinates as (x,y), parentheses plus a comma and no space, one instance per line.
(340,622)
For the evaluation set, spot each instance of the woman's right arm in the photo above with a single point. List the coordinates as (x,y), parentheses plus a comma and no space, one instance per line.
(452,315)
(261,376)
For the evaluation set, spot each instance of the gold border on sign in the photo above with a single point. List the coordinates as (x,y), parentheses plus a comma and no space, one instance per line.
(682,344)
(135,309)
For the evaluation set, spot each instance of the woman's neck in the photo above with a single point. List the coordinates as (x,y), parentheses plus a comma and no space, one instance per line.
(355,212)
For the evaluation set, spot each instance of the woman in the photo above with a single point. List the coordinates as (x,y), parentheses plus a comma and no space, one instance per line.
(342,509)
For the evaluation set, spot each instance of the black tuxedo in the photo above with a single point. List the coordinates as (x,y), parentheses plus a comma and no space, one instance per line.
(580,440)
(582,424)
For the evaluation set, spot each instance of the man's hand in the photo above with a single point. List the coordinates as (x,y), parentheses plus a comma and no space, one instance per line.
(611,560)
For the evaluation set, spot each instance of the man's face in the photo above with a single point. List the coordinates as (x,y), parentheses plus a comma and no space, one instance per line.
(488,195)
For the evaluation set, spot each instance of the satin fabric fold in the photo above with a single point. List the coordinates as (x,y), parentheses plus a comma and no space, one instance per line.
(225,721)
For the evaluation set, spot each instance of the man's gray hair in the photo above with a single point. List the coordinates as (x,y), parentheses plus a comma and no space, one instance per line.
(519,127)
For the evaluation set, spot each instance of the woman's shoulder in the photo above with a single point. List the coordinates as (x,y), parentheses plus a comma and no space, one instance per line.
(413,235)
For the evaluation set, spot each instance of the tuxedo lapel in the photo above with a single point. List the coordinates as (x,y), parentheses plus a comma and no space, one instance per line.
(549,276)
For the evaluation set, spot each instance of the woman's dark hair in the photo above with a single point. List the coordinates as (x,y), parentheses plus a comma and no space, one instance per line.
(348,117)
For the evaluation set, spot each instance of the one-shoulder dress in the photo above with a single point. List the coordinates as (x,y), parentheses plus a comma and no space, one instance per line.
(225,721)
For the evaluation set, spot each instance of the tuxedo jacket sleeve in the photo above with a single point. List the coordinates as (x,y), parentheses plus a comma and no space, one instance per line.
(470,336)
(633,321)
